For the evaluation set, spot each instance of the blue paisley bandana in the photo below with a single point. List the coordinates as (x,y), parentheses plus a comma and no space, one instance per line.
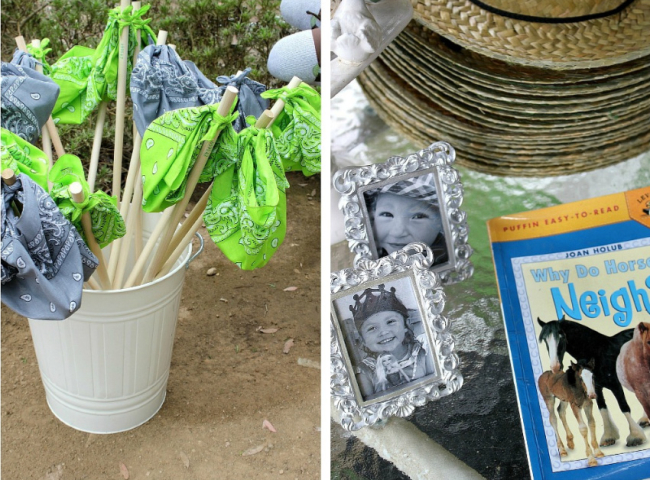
(44,260)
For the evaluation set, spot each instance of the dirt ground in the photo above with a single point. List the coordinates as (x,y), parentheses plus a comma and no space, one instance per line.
(226,378)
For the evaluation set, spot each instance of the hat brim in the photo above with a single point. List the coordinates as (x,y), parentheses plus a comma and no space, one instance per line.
(564,46)
(402,104)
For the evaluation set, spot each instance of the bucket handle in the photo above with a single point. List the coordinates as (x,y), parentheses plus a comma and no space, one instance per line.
(198,252)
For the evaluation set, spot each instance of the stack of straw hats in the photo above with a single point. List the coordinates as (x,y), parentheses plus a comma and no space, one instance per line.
(521,87)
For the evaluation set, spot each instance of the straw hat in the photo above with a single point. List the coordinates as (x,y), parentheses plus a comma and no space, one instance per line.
(410,102)
(555,34)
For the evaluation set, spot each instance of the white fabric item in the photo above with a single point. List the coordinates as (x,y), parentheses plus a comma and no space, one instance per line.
(294,56)
(295,12)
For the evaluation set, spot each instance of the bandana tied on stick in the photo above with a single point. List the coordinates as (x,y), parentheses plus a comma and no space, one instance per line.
(224,155)
(297,129)
(28,97)
(107,223)
(23,157)
(87,76)
(161,82)
(170,147)
(44,260)
(38,53)
(250,99)
(246,214)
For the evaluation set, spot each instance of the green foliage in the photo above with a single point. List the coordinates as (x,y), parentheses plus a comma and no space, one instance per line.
(229,35)
(220,36)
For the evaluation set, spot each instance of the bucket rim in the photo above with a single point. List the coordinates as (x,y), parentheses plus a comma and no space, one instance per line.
(183,261)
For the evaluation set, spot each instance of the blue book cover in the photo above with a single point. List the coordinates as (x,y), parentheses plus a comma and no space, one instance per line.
(574,283)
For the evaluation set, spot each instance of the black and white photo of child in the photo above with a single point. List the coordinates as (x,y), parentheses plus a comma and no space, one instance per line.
(385,337)
(404,212)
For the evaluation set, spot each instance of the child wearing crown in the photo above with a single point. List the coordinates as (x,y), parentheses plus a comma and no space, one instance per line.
(394,355)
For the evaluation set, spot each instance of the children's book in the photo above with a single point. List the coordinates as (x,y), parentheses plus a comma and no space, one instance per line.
(574,282)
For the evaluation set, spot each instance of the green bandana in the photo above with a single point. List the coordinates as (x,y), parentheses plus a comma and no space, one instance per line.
(246,215)
(170,147)
(107,223)
(87,76)
(23,157)
(297,128)
(224,155)
(40,53)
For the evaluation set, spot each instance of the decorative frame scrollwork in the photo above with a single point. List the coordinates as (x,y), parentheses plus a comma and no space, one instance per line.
(438,158)
(412,262)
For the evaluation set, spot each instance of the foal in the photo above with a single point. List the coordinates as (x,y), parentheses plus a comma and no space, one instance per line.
(574,388)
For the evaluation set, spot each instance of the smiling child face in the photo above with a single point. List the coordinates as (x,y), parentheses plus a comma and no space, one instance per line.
(400,220)
(383,331)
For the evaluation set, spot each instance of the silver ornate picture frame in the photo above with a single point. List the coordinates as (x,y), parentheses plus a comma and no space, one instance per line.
(368,383)
(408,199)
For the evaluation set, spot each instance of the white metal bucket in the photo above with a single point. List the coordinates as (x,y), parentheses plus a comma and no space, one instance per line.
(105,368)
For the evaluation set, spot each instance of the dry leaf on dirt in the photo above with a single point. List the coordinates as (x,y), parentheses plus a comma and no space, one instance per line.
(124,471)
(186,461)
(254,450)
(56,474)
(267,424)
(305,362)
(287,345)
(267,330)
(291,289)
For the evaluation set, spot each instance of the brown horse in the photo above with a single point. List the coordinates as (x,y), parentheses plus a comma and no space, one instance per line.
(633,367)
(575,387)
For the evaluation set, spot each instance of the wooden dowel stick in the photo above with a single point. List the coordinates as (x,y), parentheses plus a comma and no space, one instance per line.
(54,135)
(125,246)
(120,107)
(138,233)
(136,52)
(131,179)
(47,141)
(47,146)
(279,104)
(127,206)
(86,223)
(180,248)
(224,109)
(148,248)
(97,144)
(51,128)
(20,42)
(92,283)
(265,119)
(8,176)
(196,213)
(161,38)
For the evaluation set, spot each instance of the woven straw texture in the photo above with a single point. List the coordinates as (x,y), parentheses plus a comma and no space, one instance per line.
(505,119)
(554,8)
(598,42)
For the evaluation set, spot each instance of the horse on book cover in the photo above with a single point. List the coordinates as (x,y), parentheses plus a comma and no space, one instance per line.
(574,388)
(564,336)
(633,366)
